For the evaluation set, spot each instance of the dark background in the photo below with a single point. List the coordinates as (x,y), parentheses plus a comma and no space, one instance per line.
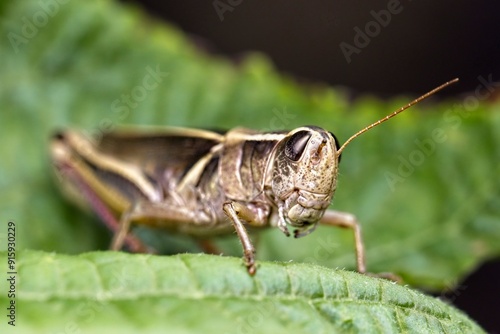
(426,44)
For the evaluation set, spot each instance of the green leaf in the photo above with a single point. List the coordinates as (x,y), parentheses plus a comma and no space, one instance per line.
(428,201)
(122,293)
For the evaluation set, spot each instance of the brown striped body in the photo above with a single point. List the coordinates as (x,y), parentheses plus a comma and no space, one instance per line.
(197,171)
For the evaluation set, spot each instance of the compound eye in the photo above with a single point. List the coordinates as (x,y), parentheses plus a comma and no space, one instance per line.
(296,144)
(337,144)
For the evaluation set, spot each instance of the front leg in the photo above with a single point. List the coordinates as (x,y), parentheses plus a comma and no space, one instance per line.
(347,220)
(235,211)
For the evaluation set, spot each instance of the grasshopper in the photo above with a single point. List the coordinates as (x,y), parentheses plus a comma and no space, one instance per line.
(205,183)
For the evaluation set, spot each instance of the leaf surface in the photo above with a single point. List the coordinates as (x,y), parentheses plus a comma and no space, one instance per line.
(124,293)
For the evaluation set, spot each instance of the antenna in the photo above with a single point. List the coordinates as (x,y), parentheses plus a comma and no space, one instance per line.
(412,103)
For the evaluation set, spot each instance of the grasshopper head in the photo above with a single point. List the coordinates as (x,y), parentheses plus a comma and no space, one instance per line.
(304,177)
(305,168)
